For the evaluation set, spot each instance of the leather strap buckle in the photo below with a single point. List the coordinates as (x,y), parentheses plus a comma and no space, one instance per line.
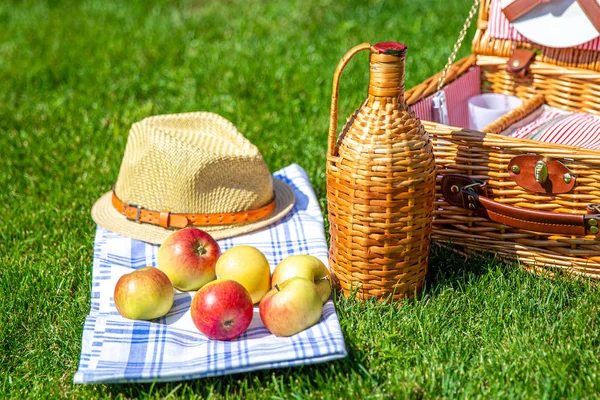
(593,208)
(137,214)
(473,185)
(470,194)
(462,191)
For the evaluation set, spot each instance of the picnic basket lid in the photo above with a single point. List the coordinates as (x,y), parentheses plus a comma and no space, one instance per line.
(496,36)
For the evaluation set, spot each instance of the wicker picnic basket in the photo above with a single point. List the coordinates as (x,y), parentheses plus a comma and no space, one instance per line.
(490,193)
(380,185)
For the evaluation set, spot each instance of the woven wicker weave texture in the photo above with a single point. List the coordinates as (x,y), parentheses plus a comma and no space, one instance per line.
(565,78)
(380,190)
(485,157)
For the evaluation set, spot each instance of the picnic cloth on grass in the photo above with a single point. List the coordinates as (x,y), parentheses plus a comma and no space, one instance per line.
(116,349)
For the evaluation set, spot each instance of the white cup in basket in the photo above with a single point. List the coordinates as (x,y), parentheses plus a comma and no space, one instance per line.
(488,107)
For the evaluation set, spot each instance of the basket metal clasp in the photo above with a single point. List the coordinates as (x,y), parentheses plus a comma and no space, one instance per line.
(540,172)
(473,185)
(594,208)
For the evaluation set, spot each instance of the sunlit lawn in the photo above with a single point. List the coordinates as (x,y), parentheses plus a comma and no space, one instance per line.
(74,76)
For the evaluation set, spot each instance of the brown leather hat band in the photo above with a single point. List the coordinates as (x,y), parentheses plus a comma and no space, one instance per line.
(166,219)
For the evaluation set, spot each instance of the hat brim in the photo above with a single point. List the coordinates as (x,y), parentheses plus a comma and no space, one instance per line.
(105,215)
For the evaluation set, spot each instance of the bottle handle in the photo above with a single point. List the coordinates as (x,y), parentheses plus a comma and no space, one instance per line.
(333,115)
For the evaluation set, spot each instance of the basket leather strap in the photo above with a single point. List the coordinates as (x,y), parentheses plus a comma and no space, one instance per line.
(463,191)
(519,61)
(518,8)
(592,11)
(166,219)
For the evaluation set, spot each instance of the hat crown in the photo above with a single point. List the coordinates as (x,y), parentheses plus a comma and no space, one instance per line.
(192,163)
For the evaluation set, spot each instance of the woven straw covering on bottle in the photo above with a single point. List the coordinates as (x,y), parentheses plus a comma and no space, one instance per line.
(194,163)
(380,189)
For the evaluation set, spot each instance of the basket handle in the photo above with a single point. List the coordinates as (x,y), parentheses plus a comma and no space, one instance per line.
(463,191)
(333,115)
(459,41)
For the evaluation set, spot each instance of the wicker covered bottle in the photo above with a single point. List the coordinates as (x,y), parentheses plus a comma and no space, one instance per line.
(380,185)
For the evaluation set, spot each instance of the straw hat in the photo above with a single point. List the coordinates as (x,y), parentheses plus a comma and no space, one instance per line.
(193,169)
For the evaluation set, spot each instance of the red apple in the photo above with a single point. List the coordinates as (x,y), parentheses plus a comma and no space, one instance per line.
(188,257)
(305,266)
(146,293)
(222,309)
(291,307)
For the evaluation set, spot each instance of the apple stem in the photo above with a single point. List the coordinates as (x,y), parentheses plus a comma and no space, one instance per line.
(201,250)
(277,287)
(325,278)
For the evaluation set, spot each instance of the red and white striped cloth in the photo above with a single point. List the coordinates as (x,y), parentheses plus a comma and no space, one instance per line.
(457,94)
(500,28)
(424,109)
(577,129)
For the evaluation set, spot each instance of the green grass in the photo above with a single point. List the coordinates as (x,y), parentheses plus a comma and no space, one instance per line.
(75,76)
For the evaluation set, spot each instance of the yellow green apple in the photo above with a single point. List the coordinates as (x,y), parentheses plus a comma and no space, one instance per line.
(291,307)
(146,293)
(248,266)
(305,266)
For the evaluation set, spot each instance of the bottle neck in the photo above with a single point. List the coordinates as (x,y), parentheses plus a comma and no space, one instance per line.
(387,76)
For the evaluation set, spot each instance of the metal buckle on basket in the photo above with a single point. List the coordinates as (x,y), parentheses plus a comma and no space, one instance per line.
(594,207)
(472,185)
(471,205)
(138,214)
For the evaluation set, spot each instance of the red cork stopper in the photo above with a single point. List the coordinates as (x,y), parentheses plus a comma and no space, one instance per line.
(392,48)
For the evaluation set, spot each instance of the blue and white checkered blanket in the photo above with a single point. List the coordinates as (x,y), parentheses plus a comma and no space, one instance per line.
(115,349)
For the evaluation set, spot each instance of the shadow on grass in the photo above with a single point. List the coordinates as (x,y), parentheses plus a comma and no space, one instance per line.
(366,368)
(447,268)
